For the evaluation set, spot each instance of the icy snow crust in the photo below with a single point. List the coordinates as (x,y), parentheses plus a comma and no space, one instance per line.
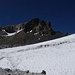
(56,57)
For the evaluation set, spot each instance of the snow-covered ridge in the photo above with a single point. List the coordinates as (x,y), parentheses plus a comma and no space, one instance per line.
(56,57)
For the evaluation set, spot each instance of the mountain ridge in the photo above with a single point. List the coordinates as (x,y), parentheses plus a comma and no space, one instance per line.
(33,31)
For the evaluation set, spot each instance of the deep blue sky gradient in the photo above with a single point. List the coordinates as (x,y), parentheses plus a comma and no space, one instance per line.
(61,13)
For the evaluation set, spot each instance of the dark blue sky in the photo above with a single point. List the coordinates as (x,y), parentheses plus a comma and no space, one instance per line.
(61,13)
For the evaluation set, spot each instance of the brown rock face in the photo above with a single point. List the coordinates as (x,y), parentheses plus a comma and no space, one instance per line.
(37,25)
(33,31)
(13,28)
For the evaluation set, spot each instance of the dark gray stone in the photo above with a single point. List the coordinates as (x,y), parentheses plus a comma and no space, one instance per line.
(17,72)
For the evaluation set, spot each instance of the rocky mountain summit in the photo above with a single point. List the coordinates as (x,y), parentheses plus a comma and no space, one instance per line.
(33,31)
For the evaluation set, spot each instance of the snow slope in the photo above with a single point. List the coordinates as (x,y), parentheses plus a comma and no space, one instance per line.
(56,57)
(11,34)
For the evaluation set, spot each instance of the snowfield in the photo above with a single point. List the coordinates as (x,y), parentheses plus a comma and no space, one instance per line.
(56,57)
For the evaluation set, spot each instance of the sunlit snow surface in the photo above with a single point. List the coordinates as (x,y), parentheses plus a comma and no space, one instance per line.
(56,57)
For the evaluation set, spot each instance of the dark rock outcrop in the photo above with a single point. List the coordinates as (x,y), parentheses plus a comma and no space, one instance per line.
(17,72)
(43,72)
(33,31)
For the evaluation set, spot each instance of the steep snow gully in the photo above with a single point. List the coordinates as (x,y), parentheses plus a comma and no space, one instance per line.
(56,57)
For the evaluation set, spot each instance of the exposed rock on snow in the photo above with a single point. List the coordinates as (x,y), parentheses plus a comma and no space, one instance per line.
(17,72)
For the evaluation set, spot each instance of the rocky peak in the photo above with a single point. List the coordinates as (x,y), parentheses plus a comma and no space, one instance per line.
(37,25)
(33,31)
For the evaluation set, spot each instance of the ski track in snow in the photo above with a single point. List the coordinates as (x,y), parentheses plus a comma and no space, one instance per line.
(56,57)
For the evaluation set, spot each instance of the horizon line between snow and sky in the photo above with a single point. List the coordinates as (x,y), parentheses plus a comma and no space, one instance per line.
(61,14)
